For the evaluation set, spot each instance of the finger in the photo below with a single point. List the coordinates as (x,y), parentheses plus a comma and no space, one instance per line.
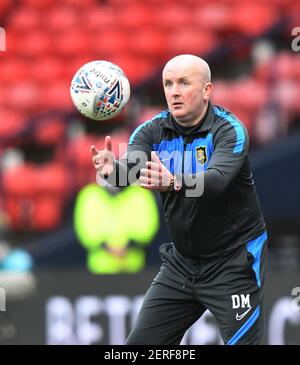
(93,150)
(162,177)
(149,187)
(153,166)
(144,180)
(99,159)
(108,143)
(150,173)
(102,171)
(155,158)
(148,181)
(99,167)
(144,172)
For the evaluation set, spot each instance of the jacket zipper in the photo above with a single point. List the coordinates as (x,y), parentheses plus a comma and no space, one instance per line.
(184,216)
(184,148)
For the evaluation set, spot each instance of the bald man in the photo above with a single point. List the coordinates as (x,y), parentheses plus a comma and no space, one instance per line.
(196,155)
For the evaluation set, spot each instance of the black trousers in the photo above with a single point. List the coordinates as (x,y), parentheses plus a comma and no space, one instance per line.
(231,288)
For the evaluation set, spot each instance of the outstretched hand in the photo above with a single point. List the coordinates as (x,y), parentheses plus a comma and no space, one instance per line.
(156,176)
(103,160)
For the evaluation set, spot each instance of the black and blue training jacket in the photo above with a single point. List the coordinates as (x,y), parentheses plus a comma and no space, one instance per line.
(227,213)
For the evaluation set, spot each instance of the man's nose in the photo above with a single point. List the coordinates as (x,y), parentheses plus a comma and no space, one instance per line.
(175,90)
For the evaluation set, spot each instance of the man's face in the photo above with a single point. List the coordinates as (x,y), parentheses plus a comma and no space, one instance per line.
(185,93)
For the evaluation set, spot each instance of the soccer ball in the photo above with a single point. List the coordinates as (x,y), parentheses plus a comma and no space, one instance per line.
(100,90)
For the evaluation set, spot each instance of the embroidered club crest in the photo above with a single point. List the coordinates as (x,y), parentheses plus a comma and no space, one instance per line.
(201,155)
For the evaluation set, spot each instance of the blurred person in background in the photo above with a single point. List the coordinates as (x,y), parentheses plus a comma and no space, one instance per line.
(217,259)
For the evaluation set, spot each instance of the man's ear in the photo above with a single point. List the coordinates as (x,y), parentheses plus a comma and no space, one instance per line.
(207,90)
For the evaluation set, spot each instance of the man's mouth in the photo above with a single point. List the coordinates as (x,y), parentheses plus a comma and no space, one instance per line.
(176,104)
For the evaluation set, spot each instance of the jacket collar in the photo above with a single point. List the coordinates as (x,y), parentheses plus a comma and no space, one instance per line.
(204,126)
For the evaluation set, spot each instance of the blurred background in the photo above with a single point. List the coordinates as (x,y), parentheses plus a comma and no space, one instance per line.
(76,259)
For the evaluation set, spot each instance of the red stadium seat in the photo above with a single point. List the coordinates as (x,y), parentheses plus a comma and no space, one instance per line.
(98,19)
(134,18)
(47,213)
(79,157)
(11,123)
(36,203)
(253,19)
(50,131)
(297,107)
(285,66)
(4,6)
(33,44)
(252,94)
(189,41)
(148,43)
(18,196)
(13,71)
(24,97)
(221,93)
(158,3)
(47,70)
(20,211)
(79,3)
(293,13)
(170,18)
(52,191)
(78,154)
(52,178)
(39,4)
(120,4)
(135,68)
(107,43)
(212,17)
(264,70)
(24,20)
(55,96)
(72,43)
(62,18)
(12,44)
(286,95)
(296,68)
(11,181)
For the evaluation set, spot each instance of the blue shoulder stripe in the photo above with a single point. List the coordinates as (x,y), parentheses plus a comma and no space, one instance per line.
(240,134)
(163,114)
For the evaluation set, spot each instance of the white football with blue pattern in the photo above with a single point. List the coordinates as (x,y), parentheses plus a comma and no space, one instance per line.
(100,90)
